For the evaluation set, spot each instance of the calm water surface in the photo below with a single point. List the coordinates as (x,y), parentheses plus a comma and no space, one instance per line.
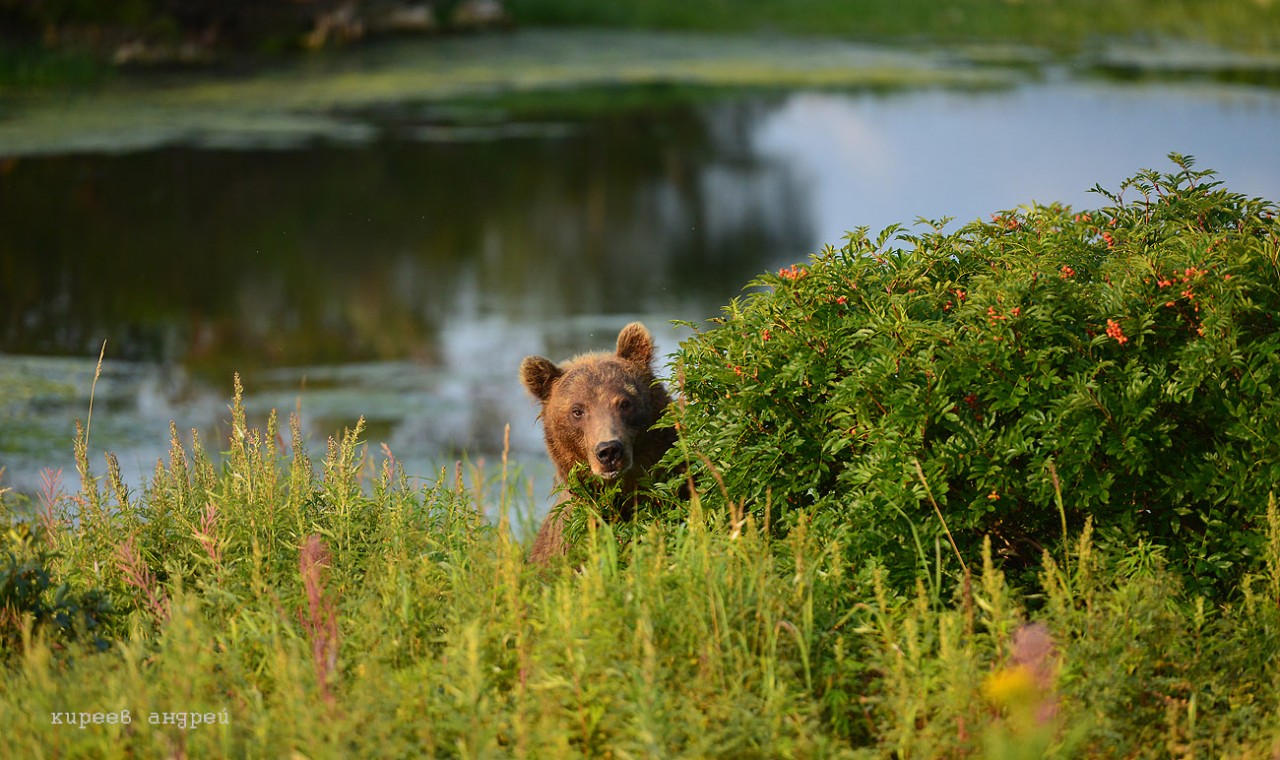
(402,276)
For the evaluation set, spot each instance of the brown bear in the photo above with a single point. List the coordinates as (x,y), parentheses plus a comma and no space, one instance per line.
(599,409)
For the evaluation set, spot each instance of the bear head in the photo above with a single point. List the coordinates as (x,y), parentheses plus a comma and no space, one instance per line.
(599,408)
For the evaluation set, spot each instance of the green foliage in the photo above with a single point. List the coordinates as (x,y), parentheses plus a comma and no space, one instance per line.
(29,68)
(31,603)
(1010,379)
(1115,665)
(1069,24)
(592,505)
(265,604)
(331,609)
(276,606)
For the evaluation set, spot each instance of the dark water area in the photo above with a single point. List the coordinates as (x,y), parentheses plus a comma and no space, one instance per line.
(400,280)
(401,275)
(238,260)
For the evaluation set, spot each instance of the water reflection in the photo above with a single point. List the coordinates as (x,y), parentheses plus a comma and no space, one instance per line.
(402,280)
(878,160)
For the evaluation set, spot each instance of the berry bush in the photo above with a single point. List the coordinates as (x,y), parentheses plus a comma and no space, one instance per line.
(916,392)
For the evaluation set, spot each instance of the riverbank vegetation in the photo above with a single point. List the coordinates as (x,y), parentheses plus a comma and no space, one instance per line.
(43,42)
(860,594)
(1058,25)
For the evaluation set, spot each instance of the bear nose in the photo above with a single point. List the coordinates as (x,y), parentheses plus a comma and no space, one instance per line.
(609,454)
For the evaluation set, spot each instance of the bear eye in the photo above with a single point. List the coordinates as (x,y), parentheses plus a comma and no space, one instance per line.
(578,412)
(625,404)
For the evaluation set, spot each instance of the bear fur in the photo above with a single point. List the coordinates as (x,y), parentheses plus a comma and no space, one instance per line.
(599,409)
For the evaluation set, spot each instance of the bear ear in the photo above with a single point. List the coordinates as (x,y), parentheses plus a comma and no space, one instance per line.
(538,374)
(635,344)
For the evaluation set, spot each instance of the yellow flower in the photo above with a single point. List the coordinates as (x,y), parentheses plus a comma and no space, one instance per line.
(1011,686)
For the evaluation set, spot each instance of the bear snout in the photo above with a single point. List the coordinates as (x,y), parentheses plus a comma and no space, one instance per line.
(611,456)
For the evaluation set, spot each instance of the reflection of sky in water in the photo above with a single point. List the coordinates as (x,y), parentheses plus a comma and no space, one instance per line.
(875,160)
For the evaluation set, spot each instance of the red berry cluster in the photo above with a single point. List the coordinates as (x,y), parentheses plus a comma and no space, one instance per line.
(1186,280)
(1009,223)
(1114,331)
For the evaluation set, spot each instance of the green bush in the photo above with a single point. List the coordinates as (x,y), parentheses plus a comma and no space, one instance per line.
(31,603)
(1009,379)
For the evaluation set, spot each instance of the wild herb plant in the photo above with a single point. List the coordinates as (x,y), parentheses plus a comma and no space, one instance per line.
(274,605)
(357,614)
(1010,379)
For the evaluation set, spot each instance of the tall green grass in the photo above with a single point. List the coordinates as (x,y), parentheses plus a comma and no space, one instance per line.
(336,608)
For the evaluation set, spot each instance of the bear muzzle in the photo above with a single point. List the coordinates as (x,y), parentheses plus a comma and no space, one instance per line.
(611,459)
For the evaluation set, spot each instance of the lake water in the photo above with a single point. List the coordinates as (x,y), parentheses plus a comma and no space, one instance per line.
(395,259)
